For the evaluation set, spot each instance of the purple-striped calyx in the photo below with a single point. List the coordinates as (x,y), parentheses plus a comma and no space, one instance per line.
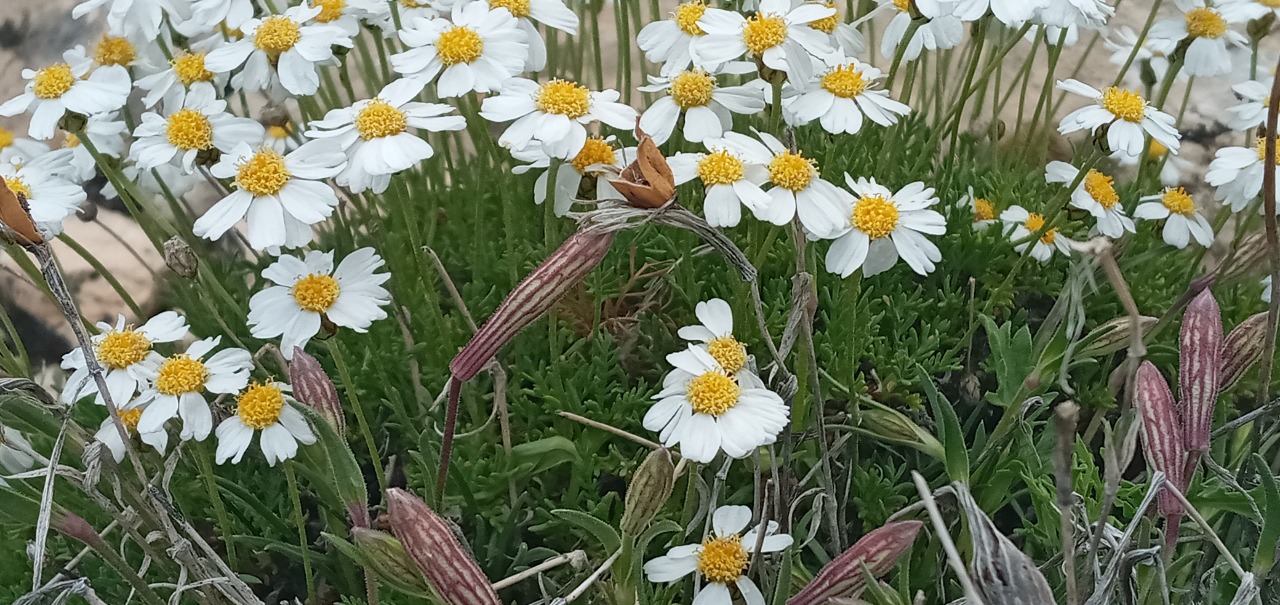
(843,577)
(447,565)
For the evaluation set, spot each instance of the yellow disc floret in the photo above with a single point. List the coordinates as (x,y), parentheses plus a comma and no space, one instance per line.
(595,151)
(983,209)
(316,292)
(259,406)
(563,97)
(263,174)
(114,51)
(379,119)
(189,129)
(763,31)
(875,216)
(687,16)
(1203,22)
(130,418)
(692,88)
(722,560)
(517,8)
(728,352)
(720,168)
(1101,188)
(902,5)
(459,44)
(6,137)
(1035,222)
(330,10)
(18,186)
(1157,150)
(827,25)
(181,374)
(1261,145)
(70,141)
(53,81)
(190,69)
(1124,104)
(276,34)
(791,171)
(844,81)
(120,349)
(713,393)
(1178,201)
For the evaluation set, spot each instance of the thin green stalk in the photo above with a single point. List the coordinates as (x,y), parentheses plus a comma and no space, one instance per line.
(106,274)
(349,386)
(205,465)
(1137,45)
(1046,89)
(301,523)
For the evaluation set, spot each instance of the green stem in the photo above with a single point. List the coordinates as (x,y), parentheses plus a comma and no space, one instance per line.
(302,531)
(215,498)
(102,270)
(349,385)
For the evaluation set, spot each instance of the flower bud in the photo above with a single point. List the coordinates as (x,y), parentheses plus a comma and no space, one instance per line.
(1000,572)
(1112,336)
(1241,349)
(390,561)
(313,388)
(648,491)
(1161,434)
(179,257)
(448,566)
(74,526)
(1200,359)
(891,425)
(842,578)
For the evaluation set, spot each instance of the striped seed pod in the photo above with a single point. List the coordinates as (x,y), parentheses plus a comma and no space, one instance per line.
(1001,572)
(448,566)
(1200,359)
(1249,261)
(1111,336)
(648,491)
(314,389)
(390,560)
(843,578)
(1241,349)
(1161,433)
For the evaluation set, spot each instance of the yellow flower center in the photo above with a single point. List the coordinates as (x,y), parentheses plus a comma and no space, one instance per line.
(844,81)
(189,129)
(276,34)
(379,119)
(53,81)
(983,209)
(413,4)
(1101,188)
(1203,22)
(263,174)
(70,141)
(827,25)
(6,137)
(18,186)
(1261,145)
(687,15)
(1178,201)
(722,560)
(875,216)
(316,292)
(728,352)
(181,374)
(190,69)
(791,171)
(130,418)
(692,88)
(459,44)
(121,349)
(763,31)
(902,5)
(330,10)
(712,393)
(564,98)
(1124,104)
(595,151)
(1157,150)
(518,8)
(1035,222)
(276,131)
(1270,3)
(114,51)
(720,168)
(259,406)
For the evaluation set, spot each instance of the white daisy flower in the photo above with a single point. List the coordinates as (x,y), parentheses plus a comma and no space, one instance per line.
(704,409)
(778,34)
(280,138)
(309,289)
(798,188)
(16,149)
(13,452)
(176,181)
(110,50)
(1084,13)
(50,198)
(1182,220)
(53,91)
(185,70)
(554,114)
(1012,13)
(729,180)
(669,41)
(841,97)
(715,335)
(878,226)
(1252,112)
(210,13)
(706,106)
(347,14)
(1172,167)
(1236,173)
(263,407)
(375,135)
(984,211)
(136,19)
(1240,11)
(1095,194)
(845,38)
(551,13)
(280,51)
(592,162)
(129,416)
(1125,114)
(939,33)
(201,123)
(1208,40)
(722,558)
(74,161)
(178,383)
(479,50)
(120,350)
(1022,224)
(1153,53)
(279,196)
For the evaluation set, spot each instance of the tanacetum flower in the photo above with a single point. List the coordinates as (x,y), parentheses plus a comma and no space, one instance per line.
(721,559)
(554,114)
(1151,53)
(798,189)
(232,13)
(53,91)
(200,124)
(120,350)
(279,196)
(109,436)
(1236,173)
(1171,166)
(704,408)
(984,211)
(375,135)
(1023,224)
(668,41)
(878,226)
(778,34)
(137,19)
(1012,13)
(479,50)
(1125,114)
(1182,220)
(73,160)
(309,288)
(597,156)
(1208,39)
(706,106)
(841,97)
(551,13)
(13,452)
(279,51)
(1095,194)
(178,383)
(16,149)
(942,32)
(729,180)
(1082,13)
(1252,111)
(715,335)
(1240,11)
(185,70)
(50,198)
(263,407)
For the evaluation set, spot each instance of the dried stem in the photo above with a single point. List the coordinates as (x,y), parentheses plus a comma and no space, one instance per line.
(1273,238)
(971,595)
